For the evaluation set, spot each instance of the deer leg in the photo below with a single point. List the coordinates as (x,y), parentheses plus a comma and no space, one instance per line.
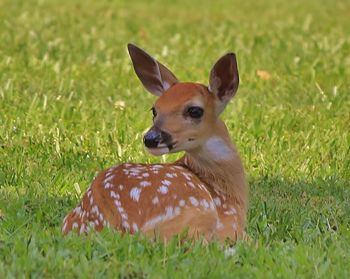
(197,223)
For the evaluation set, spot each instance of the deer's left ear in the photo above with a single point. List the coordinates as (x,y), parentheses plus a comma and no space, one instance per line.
(224,80)
(155,77)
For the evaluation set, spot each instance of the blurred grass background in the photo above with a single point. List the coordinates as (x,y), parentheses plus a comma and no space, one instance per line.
(71,105)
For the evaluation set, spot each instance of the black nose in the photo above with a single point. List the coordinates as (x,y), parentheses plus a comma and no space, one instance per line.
(154,137)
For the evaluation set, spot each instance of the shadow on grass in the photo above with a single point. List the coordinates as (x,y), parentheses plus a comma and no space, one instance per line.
(284,209)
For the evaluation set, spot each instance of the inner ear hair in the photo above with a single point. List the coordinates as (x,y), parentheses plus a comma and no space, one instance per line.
(224,77)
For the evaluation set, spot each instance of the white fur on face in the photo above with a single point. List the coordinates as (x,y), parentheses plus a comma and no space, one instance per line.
(158,151)
(218,148)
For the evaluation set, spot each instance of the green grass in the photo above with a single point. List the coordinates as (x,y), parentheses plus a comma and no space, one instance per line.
(64,75)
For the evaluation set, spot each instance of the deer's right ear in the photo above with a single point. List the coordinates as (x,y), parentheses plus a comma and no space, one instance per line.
(224,80)
(155,77)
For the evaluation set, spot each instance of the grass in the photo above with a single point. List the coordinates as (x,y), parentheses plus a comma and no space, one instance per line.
(70,105)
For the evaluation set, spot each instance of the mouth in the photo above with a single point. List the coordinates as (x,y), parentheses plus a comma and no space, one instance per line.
(162,149)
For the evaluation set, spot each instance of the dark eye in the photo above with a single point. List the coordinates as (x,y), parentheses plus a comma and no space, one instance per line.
(195,112)
(154,112)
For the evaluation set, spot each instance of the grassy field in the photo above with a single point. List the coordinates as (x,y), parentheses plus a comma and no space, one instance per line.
(71,105)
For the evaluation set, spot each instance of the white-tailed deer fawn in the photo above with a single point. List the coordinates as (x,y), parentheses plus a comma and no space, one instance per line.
(204,191)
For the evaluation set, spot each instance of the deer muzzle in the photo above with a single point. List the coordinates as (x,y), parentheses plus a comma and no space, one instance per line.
(156,138)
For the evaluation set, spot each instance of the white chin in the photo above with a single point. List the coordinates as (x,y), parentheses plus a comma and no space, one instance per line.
(158,151)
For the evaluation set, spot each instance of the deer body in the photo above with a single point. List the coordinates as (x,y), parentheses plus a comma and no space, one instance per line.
(203,192)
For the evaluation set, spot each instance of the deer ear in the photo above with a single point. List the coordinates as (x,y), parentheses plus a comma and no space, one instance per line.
(224,79)
(155,77)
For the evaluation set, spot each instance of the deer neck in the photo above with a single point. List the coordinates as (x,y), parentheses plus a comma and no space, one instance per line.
(217,163)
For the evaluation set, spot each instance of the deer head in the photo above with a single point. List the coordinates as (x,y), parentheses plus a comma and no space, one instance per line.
(185,113)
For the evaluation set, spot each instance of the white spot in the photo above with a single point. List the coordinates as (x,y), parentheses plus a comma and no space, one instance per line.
(204,203)
(77,210)
(220,195)
(166,182)
(169,175)
(108,185)
(114,195)
(135,193)
(121,187)
(169,211)
(150,224)
(155,200)
(182,203)
(234,226)
(145,183)
(178,167)
(100,216)
(146,174)
(194,201)
(189,183)
(117,203)
(124,216)
(94,209)
(91,200)
(163,189)
(233,210)
(157,166)
(125,225)
(136,170)
(82,229)
(218,148)
(108,179)
(135,227)
(120,209)
(177,210)
(229,212)
(74,226)
(89,193)
(97,222)
(217,201)
(211,205)
(219,225)
(187,176)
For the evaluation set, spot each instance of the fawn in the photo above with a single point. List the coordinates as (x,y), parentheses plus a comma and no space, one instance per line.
(204,192)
